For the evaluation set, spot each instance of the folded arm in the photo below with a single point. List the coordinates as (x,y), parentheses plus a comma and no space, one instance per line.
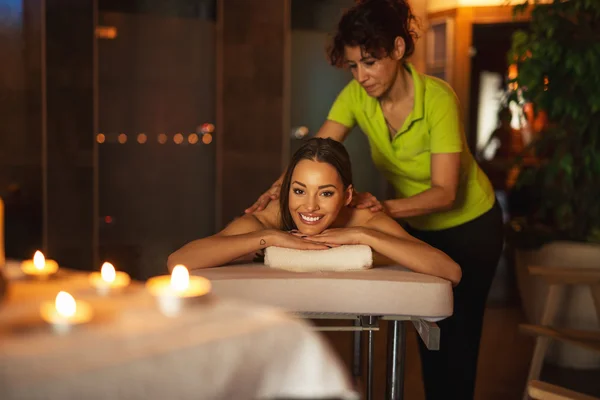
(387,237)
(243,236)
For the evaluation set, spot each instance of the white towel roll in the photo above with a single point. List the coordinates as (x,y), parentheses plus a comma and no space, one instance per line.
(343,258)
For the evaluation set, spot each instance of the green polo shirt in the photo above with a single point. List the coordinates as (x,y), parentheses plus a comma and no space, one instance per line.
(433,126)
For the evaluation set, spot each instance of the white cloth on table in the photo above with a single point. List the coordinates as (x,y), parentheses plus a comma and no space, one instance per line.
(218,349)
(382,291)
(342,258)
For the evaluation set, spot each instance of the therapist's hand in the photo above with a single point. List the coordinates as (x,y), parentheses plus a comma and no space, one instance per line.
(265,199)
(366,200)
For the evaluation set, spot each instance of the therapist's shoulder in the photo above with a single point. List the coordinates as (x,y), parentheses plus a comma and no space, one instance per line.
(438,93)
(353,93)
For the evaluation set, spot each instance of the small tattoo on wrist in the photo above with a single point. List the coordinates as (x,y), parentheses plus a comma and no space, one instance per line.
(262,242)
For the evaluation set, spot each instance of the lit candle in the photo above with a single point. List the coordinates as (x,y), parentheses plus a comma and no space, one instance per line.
(109,280)
(39,267)
(65,312)
(174,291)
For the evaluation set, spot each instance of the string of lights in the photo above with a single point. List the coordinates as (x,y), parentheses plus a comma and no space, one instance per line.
(203,135)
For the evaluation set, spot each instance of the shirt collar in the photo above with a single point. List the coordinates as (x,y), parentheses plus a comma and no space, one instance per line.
(419,88)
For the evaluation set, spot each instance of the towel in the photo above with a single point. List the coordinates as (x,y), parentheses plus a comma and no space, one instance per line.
(343,258)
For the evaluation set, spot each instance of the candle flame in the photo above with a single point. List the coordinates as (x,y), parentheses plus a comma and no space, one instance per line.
(39,260)
(65,304)
(108,272)
(180,278)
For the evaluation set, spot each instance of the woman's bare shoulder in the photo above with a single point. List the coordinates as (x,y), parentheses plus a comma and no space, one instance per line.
(269,217)
(360,217)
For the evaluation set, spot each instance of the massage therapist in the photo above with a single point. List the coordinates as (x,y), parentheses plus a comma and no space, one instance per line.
(412,122)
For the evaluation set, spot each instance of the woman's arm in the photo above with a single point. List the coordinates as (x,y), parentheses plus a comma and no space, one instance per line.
(243,236)
(445,171)
(386,237)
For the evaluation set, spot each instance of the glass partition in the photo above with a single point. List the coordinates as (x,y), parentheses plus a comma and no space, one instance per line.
(156,110)
(315,85)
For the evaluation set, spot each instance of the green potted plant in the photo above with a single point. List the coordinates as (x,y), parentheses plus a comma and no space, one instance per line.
(558,63)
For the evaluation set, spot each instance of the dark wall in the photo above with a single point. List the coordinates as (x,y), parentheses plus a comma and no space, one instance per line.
(156,77)
(20,113)
(315,84)
(70,126)
(252,101)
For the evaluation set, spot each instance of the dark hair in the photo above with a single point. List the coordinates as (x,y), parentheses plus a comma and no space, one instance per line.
(323,150)
(374,25)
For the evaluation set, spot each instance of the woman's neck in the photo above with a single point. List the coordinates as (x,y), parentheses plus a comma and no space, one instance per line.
(401,89)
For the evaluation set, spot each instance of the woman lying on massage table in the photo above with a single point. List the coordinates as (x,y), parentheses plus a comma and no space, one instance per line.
(313,214)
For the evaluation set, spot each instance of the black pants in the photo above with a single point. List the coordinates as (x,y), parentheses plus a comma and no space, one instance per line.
(449,373)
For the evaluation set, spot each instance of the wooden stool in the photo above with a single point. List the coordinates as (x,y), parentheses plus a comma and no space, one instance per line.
(545,391)
(557,279)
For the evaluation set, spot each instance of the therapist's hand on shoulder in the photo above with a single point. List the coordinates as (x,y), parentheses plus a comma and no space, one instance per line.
(265,199)
(366,200)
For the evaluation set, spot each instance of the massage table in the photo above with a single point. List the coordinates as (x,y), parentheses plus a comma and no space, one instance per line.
(388,293)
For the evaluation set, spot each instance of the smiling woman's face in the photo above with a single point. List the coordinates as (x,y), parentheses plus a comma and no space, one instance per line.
(316,196)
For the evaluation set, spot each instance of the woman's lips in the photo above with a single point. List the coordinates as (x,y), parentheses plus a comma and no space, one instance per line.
(310,219)
(369,88)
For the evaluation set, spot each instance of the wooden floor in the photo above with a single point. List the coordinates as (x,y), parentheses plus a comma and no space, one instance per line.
(503,365)
(504,354)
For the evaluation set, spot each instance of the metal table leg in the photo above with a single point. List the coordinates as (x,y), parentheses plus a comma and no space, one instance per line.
(396,346)
(370,353)
(357,351)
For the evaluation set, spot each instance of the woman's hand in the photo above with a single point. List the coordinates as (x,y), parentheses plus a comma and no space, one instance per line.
(340,236)
(265,198)
(293,241)
(366,200)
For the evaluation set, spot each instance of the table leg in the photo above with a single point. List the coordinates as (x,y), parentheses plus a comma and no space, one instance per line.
(370,353)
(357,351)
(396,346)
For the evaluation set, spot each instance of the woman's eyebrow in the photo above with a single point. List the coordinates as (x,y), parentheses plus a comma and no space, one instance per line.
(320,187)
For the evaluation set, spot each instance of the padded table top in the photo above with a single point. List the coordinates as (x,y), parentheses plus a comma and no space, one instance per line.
(380,291)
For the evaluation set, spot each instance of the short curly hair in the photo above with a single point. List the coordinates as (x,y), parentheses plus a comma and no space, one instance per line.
(374,25)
